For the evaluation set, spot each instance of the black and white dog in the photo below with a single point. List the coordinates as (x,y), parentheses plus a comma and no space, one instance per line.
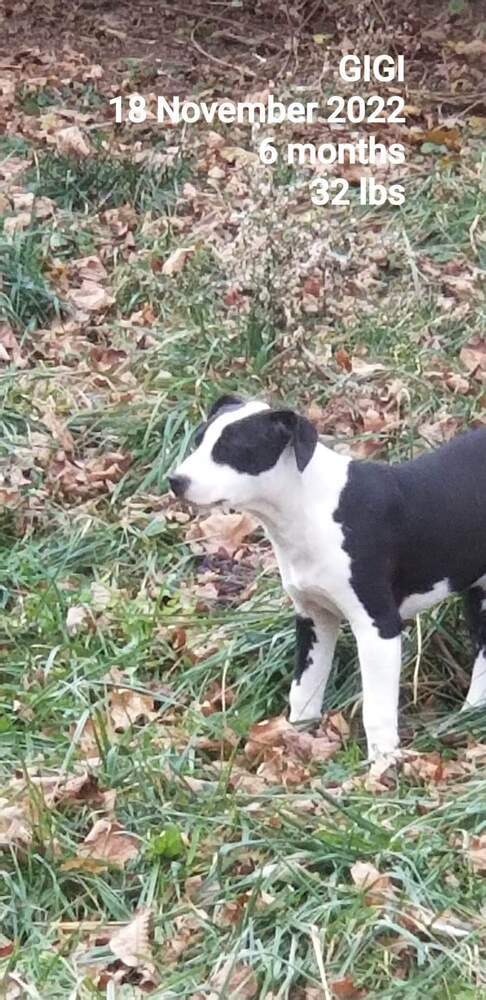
(365,541)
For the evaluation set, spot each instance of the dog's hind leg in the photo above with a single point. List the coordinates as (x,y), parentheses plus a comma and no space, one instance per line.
(316,639)
(475,602)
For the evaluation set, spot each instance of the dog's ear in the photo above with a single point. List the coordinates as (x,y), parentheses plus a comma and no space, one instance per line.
(223,403)
(302,435)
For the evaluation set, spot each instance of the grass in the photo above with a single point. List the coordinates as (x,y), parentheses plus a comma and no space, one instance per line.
(100,182)
(26,298)
(238,875)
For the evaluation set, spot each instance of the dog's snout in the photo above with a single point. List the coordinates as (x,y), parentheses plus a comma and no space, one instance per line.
(178,484)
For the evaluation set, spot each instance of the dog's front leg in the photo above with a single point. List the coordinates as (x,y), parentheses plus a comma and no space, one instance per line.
(380,661)
(316,635)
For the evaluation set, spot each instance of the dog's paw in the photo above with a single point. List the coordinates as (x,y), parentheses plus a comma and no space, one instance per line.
(383,771)
(305,725)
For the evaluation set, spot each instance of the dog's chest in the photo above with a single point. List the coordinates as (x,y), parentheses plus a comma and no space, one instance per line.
(314,567)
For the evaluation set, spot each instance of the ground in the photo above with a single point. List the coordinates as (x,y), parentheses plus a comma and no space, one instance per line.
(157,835)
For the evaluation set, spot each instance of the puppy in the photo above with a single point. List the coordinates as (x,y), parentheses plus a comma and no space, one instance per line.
(364,541)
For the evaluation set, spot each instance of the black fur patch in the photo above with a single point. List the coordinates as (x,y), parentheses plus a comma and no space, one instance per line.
(370,514)
(228,402)
(408,526)
(305,635)
(254,444)
(224,403)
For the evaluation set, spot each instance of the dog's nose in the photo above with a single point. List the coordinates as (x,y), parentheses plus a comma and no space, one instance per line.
(178,484)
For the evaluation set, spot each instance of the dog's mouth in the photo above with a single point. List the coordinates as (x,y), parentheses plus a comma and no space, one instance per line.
(224,505)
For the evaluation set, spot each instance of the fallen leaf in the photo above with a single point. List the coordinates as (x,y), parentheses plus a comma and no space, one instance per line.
(176,260)
(238,155)
(71,140)
(476,47)
(438,431)
(360,366)
(131,944)
(127,706)
(377,887)
(221,531)
(440,136)
(476,852)
(6,947)
(75,619)
(343,360)
(90,297)
(267,734)
(432,768)
(108,841)
(236,980)
(89,269)
(473,357)
(15,829)
(187,927)
(346,989)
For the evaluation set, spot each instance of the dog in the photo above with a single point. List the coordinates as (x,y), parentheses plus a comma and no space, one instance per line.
(360,540)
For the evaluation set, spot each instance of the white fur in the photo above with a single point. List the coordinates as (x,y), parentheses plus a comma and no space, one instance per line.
(415,603)
(306,696)
(477,689)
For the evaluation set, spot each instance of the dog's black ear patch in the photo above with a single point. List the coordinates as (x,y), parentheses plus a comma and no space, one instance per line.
(224,403)
(301,433)
(254,444)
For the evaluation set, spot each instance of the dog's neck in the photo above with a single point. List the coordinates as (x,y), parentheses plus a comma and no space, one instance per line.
(292,501)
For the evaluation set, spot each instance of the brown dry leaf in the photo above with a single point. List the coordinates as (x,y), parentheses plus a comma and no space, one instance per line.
(76,617)
(346,989)
(236,980)
(282,750)
(86,477)
(458,384)
(71,140)
(362,367)
(215,698)
(431,768)
(126,706)
(176,260)
(9,346)
(221,531)
(188,926)
(343,360)
(91,297)
(477,47)
(476,853)
(15,223)
(438,431)
(58,428)
(238,156)
(6,946)
(378,887)
(131,944)
(15,829)
(61,789)
(278,768)
(267,734)
(441,135)
(89,269)
(108,841)
(473,357)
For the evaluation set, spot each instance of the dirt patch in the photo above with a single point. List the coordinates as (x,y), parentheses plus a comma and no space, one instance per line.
(178,46)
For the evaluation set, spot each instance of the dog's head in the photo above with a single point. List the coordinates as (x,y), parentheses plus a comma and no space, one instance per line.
(243,454)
